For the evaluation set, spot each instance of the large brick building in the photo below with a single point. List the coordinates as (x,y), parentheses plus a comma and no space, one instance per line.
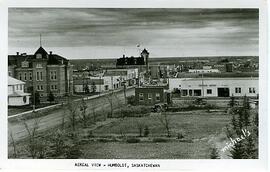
(42,72)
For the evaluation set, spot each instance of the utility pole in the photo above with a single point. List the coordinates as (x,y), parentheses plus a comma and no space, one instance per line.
(202,86)
(34,98)
(100,84)
(125,95)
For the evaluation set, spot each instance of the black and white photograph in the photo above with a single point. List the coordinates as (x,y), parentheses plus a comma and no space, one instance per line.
(96,83)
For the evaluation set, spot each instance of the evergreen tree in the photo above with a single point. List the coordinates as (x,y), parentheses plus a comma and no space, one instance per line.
(238,151)
(214,153)
(93,87)
(250,148)
(50,97)
(232,102)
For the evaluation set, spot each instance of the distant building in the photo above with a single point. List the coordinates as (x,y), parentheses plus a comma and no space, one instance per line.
(130,75)
(100,84)
(215,87)
(42,72)
(16,94)
(203,71)
(150,95)
(229,67)
(134,61)
(154,71)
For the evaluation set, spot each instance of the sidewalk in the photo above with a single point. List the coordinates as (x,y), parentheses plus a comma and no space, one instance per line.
(60,104)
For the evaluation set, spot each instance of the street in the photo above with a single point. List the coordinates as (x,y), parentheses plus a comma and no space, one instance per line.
(53,119)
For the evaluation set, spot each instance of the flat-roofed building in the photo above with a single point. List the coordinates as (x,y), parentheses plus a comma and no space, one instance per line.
(215,87)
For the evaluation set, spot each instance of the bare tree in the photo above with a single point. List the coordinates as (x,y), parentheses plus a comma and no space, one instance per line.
(32,140)
(72,108)
(109,98)
(13,145)
(165,121)
(83,108)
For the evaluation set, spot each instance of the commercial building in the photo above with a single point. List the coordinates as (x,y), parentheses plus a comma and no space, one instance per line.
(215,87)
(16,94)
(42,72)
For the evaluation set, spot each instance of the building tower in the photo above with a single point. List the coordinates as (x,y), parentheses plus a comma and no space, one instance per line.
(145,55)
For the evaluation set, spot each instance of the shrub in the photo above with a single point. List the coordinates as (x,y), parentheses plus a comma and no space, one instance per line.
(180,136)
(73,152)
(155,140)
(146,131)
(133,140)
(131,100)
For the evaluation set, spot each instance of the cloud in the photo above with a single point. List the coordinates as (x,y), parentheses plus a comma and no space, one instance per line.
(75,27)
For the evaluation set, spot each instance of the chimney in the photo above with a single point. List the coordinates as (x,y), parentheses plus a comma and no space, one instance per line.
(18,53)
(50,52)
(124,56)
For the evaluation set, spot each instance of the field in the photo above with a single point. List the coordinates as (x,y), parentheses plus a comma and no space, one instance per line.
(108,139)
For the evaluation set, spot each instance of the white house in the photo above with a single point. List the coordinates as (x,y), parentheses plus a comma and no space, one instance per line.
(16,94)
(215,87)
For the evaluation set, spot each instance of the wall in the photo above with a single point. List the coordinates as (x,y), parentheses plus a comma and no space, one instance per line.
(215,83)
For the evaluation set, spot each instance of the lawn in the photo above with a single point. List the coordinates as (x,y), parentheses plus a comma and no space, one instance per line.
(170,150)
(195,125)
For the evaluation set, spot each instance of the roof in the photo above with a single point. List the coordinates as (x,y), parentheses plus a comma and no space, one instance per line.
(13,81)
(145,51)
(41,51)
(88,81)
(18,94)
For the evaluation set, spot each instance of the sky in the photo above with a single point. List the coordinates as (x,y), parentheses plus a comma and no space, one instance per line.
(93,33)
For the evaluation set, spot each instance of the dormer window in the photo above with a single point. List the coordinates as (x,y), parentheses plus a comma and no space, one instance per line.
(39,65)
(25,64)
(39,56)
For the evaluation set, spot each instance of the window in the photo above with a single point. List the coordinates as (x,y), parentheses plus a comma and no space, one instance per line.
(141,97)
(38,56)
(53,87)
(237,90)
(209,91)
(149,96)
(157,96)
(190,92)
(106,87)
(30,76)
(20,87)
(53,75)
(37,76)
(25,64)
(40,87)
(184,92)
(25,76)
(252,90)
(197,92)
(41,76)
(20,76)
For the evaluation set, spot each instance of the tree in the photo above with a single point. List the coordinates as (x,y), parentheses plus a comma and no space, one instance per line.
(238,151)
(72,108)
(83,108)
(131,100)
(109,97)
(214,153)
(50,97)
(165,121)
(86,89)
(93,87)
(35,98)
(232,102)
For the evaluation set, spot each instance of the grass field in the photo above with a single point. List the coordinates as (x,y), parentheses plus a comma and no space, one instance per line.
(199,124)
(171,150)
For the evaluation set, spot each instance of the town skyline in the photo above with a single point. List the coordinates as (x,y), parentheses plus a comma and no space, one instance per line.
(110,33)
